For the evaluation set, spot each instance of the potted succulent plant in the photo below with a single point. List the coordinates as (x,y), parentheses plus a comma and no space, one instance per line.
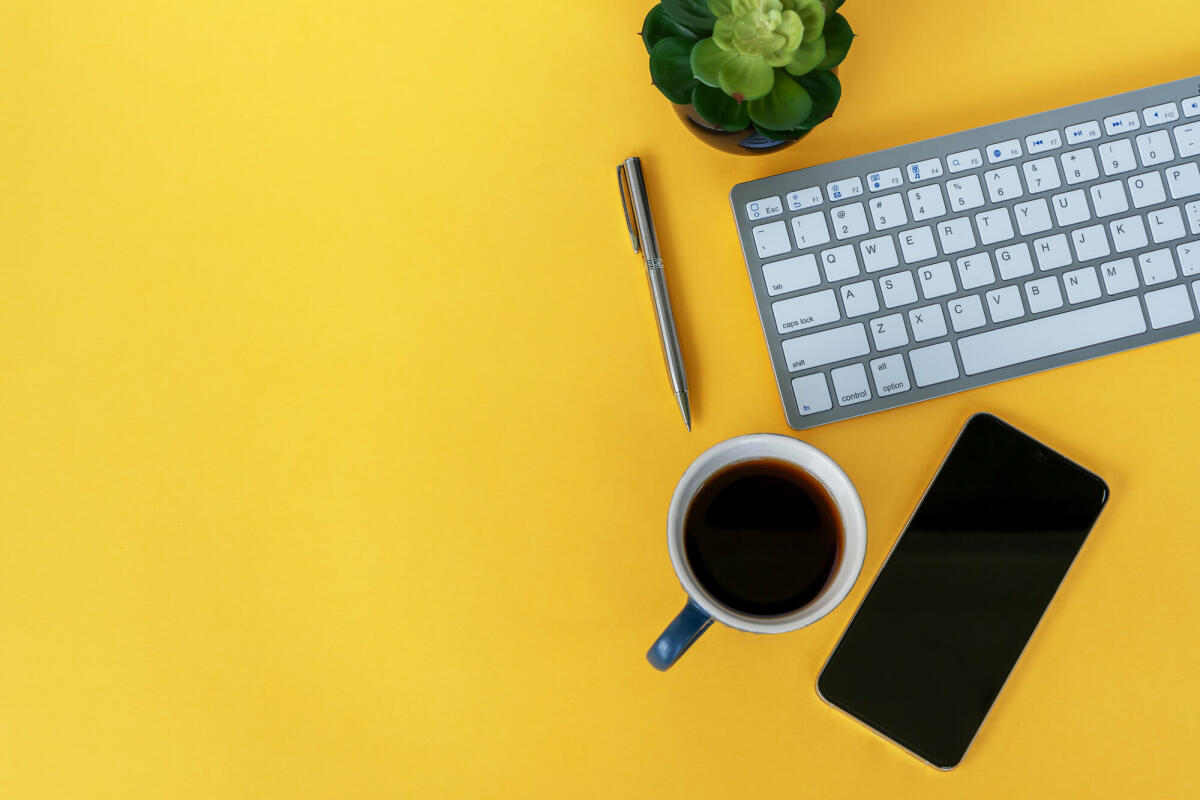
(748,76)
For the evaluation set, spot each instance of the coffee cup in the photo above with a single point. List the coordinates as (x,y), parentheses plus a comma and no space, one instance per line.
(766,533)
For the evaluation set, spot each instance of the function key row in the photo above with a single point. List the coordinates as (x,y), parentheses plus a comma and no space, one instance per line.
(972,159)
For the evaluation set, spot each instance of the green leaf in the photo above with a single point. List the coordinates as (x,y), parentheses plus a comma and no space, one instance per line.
(659,26)
(838,36)
(812,14)
(720,7)
(693,14)
(787,105)
(832,6)
(719,108)
(707,60)
(671,69)
(746,78)
(807,57)
(825,90)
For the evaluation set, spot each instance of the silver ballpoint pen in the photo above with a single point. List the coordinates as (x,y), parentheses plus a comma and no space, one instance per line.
(645,240)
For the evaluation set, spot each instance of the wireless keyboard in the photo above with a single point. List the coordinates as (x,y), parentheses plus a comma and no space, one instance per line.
(915,272)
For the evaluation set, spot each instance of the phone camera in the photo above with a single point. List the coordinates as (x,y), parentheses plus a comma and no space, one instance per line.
(1040,455)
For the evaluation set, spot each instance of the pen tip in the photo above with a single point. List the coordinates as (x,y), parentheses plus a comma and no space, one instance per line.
(684,408)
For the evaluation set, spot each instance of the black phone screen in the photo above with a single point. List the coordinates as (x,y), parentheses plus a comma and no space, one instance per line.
(955,602)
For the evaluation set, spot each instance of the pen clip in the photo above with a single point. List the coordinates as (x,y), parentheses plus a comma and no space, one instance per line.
(623,187)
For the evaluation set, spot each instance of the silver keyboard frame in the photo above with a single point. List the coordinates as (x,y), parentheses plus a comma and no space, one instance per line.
(941,146)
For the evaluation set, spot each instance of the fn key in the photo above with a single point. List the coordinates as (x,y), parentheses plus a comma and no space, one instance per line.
(812,394)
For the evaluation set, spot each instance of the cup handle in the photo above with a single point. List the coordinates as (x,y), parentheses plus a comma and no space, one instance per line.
(679,636)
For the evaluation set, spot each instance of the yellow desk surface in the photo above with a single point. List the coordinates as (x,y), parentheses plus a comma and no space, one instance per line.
(336,444)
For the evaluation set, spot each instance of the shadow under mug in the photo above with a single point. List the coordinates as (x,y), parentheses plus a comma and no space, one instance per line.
(702,609)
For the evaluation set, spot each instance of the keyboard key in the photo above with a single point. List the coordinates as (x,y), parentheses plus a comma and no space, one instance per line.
(1117,157)
(917,244)
(1121,123)
(1189,258)
(847,187)
(1013,261)
(1041,142)
(1160,114)
(956,235)
(926,202)
(1166,225)
(840,263)
(964,193)
(1109,198)
(975,271)
(762,209)
(1119,276)
(1081,285)
(1033,217)
(888,212)
(791,274)
(1157,267)
(1168,307)
(849,221)
(890,375)
(1043,294)
(898,290)
(994,226)
(879,253)
(1079,165)
(1192,212)
(933,364)
(825,347)
(806,311)
(1083,132)
(889,332)
(810,230)
(888,179)
(1090,243)
(1041,175)
(924,170)
(1187,140)
(967,159)
(966,313)
(850,384)
(1191,107)
(771,239)
(1052,251)
(859,298)
(1127,234)
(1183,180)
(812,394)
(1146,190)
(1004,304)
(1003,184)
(937,280)
(1071,207)
(1155,148)
(927,323)
(1003,151)
(1047,336)
(805,198)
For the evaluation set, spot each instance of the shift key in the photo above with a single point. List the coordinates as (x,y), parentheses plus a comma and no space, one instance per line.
(826,347)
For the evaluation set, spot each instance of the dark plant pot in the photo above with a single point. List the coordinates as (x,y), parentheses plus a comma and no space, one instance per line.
(746,142)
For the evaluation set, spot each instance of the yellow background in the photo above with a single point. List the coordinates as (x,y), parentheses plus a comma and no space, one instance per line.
(335,444)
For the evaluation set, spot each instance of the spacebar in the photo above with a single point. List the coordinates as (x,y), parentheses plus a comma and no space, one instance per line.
(1050,335)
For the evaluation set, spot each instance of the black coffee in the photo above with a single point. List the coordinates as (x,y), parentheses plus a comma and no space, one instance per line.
(763,537)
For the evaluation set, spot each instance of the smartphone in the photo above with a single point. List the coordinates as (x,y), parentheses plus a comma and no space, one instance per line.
(962,590)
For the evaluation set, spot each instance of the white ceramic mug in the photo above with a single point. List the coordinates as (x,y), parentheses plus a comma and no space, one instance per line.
(702,608)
